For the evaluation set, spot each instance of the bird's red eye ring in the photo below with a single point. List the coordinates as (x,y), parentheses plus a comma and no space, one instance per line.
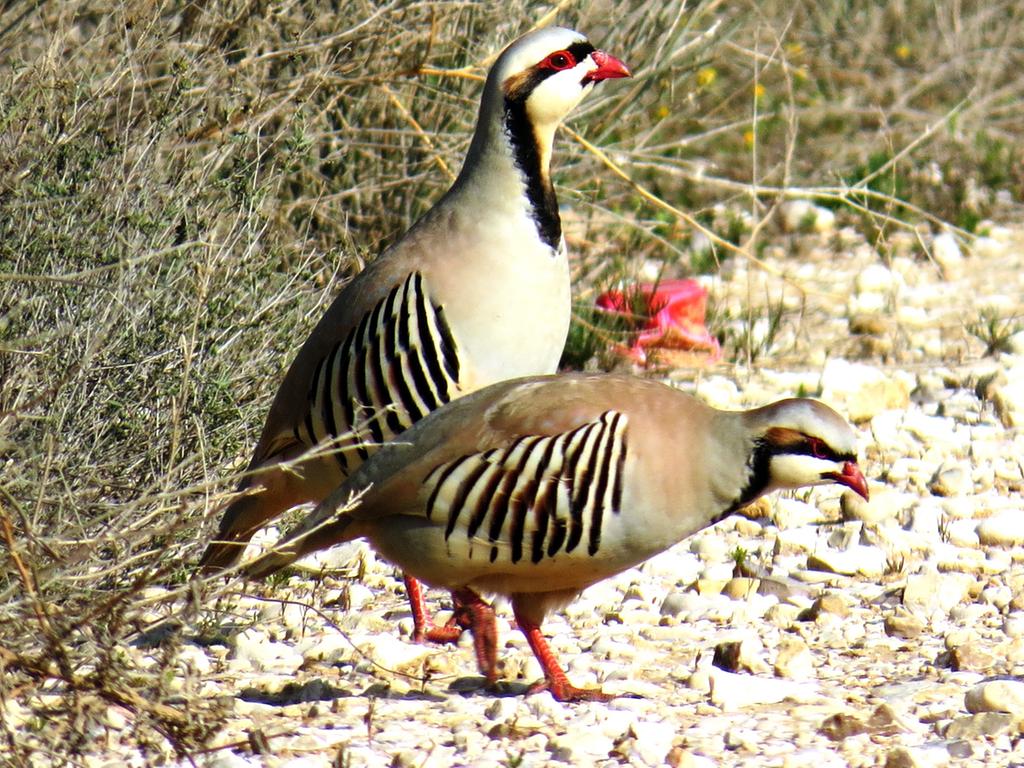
(559,60)
(818,448)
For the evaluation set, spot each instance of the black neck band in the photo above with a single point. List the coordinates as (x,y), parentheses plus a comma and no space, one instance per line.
(759,464)
(539,189)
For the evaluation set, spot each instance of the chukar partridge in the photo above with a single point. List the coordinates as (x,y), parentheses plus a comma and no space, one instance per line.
(537,488)
(477,291)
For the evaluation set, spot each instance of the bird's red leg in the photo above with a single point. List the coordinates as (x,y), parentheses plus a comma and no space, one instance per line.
(555,680)
(423,627)
(472,613)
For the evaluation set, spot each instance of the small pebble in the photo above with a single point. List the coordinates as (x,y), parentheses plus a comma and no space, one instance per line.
(1003,530)
(997,696)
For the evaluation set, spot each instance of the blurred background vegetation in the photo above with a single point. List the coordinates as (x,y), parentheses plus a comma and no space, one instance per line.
(184,186)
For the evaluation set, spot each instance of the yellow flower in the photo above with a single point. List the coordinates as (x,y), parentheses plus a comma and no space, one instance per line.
(706,76)
(662,112)
(758,91)
(800,73)
(902,52)
(748,138)
(794,49)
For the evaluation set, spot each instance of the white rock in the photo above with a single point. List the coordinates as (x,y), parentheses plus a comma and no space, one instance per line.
(393,653)
(544,706)
(687,759)
(998,595)
(969,614)
(963,533)
(988,248)
(932,756)
(887,430)
(997,561)
(797,215)
(792,513)
(343,557)
(359,595)
(1009,397)
(502,708)
(733,691)
(330,647)
(947,254)
(926,519)
(783,615)
(254,647)
(950,557)
(653,740)
(115,718)
(577,745)
(860,558)
(194,659)
(885,503)
(675,564)
(710,547)
(225,758)
(294,615)
(609,721)
(930,429)
(717,571)
(1013,625)
(996,696)
(814,758)
(17,716)
(685,603)
(1015,344)
(803,539)
(719,392)
(926,593)
(863,391)
(824,220)
(805,216)
(861,304)
(1005,529)
(794,660)
(876,278)
(951,479)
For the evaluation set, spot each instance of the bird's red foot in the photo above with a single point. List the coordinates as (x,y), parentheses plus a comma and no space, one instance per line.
(431,633)
(563,690)
(555,680)
(423,628)
(472,613)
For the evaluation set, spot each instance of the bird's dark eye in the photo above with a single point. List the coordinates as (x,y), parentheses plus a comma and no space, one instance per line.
(818,448)
(559,60)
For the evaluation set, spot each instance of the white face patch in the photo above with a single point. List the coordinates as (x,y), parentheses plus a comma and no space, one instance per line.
(557,95)
(790,470)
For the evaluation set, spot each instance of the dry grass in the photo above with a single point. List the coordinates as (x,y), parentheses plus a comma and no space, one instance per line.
(183,186)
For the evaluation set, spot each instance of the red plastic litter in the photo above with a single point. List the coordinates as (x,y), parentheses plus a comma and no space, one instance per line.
(674,311)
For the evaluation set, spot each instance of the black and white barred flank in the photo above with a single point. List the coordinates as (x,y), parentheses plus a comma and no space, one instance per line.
(537,497)
(396,366)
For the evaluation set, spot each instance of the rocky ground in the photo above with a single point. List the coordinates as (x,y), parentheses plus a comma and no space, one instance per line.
(816,630)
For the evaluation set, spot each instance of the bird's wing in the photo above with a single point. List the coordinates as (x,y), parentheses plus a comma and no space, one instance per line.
(536,497)
(377,362)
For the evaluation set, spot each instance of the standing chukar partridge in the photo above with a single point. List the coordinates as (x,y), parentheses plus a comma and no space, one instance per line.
(537,488)
(477,291)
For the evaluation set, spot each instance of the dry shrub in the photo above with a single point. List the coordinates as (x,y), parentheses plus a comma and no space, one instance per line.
(183,187)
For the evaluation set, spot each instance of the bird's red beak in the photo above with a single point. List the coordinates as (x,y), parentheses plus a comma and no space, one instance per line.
(608,67)
(852,478)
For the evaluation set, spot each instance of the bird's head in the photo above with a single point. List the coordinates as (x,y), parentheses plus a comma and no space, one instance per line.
(801,442)
(549,71)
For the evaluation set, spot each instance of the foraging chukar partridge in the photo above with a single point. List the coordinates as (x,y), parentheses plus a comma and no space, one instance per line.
(477,291)
(537,488)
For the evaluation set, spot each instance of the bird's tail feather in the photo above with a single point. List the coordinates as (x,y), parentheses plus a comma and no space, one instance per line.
(324,528)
